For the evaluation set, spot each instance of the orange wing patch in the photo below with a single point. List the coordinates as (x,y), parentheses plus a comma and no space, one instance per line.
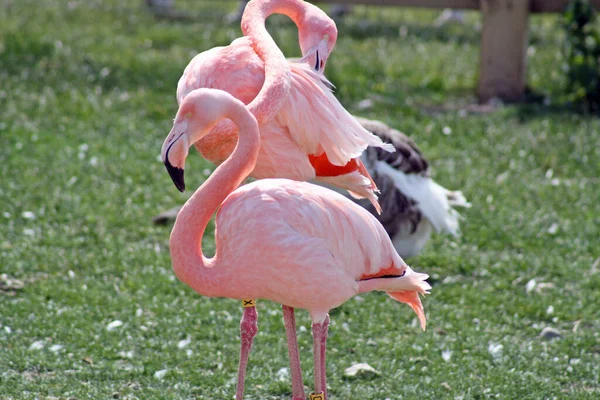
(323,167)
(389,272)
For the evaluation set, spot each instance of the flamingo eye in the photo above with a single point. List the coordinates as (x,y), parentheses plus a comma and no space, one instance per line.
(326,37)
(188,115)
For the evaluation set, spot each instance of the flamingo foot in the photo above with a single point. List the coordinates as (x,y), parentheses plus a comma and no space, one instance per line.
(289,320)
(248,329)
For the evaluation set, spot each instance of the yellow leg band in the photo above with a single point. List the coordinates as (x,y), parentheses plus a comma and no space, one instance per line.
(249,303)
(317,396)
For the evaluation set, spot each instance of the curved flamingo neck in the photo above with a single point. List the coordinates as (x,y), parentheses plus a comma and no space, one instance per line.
(189,263)
(277,85)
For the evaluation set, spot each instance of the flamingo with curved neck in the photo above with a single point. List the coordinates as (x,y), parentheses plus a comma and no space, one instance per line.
(290,242)
(305,132)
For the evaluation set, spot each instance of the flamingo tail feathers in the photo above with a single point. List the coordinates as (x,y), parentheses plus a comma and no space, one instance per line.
(405,288)
(413,300)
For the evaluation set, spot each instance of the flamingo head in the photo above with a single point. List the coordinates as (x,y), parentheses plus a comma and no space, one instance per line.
(318,42)
(198,113)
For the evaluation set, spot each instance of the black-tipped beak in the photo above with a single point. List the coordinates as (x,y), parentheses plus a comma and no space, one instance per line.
(318,63)
(176,175)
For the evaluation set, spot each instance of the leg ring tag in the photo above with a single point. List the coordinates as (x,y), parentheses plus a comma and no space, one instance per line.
(249,303)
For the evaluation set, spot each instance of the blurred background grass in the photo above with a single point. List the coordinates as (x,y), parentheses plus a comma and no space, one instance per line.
(87,95)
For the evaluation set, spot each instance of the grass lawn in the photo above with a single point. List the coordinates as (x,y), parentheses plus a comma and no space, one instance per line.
(87,95)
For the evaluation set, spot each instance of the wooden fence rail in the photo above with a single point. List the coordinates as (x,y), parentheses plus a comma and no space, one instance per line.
(504,38)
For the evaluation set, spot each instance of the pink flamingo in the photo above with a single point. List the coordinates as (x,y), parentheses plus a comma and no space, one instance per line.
(306,133)
(290,242)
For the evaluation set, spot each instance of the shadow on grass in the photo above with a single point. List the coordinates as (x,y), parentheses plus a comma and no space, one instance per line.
(534,110)
(362,29)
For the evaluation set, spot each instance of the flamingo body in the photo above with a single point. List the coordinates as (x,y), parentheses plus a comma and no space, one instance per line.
(303,236)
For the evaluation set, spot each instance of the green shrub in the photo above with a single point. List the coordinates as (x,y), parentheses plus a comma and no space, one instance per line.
(582,54)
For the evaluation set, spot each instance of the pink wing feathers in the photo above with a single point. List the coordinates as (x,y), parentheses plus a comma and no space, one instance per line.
(319,123)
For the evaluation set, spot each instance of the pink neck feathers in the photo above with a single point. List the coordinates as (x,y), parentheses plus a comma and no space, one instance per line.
(189,264)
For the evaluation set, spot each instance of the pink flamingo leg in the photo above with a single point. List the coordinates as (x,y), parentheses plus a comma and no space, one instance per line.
(319,332)
(316,356)
(324,332)
(248,329)
(289,320)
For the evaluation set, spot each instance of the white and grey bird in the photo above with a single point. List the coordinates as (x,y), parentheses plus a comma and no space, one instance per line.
(413,204)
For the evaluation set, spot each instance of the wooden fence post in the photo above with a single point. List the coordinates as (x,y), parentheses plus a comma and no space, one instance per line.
(502,70)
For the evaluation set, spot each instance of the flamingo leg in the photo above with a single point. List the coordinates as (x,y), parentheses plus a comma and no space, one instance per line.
(324,332)
(248,329)
(319,331)
(289,320)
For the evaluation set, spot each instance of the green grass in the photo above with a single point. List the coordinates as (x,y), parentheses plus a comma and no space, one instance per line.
(87,94)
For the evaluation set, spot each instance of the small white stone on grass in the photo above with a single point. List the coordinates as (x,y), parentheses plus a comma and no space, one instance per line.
(502,177)
(447,130)
(55,348)
(161,374)
(360,369)
(283,374)
(72,181)
(183,343)
(224,313)
(139,312)
(114,325)
(594,267)
(71,274)
(447,355)
(550,310)
(28,215)
(37,345)
(495,349)
(530,285)
(126,354)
